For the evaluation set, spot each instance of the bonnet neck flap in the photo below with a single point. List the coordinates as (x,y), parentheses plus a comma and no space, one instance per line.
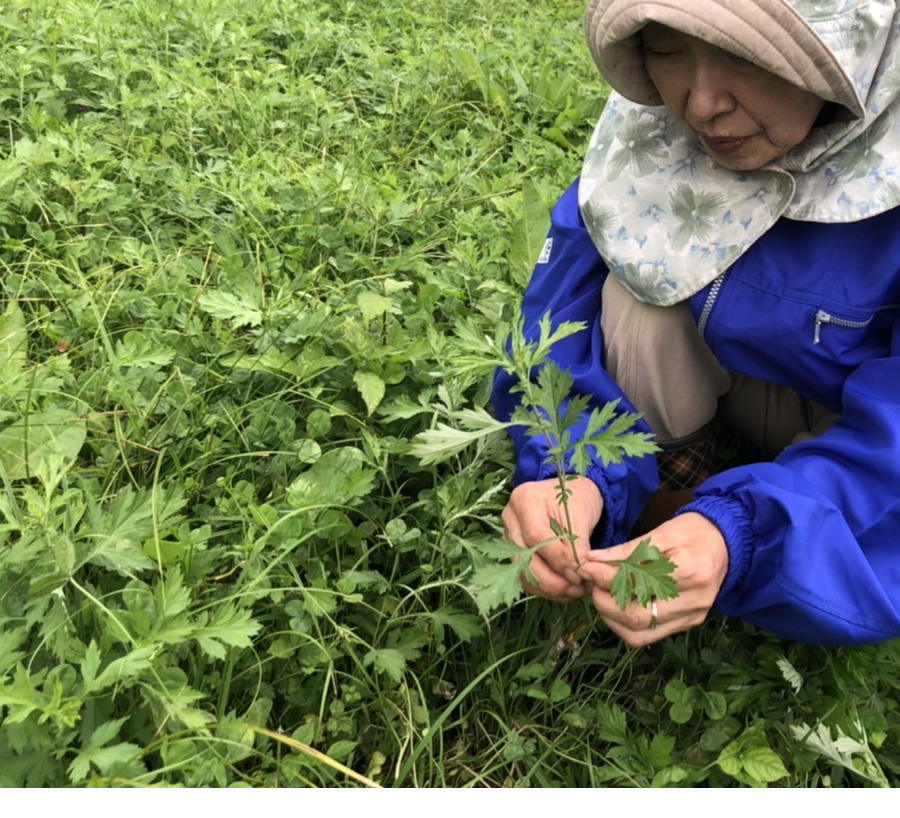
(666,218)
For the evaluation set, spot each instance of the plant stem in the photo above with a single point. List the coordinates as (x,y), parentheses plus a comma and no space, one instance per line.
(559,462)
(564,501)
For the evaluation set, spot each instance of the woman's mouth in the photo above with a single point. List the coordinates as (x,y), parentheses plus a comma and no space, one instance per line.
(725,144)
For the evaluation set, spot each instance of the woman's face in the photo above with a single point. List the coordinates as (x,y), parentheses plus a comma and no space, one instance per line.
(744,116)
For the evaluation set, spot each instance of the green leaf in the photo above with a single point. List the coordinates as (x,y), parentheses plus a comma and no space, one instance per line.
(465,626)
(763,765)
(13,343)
(730,759)
(437,445)
(372,304)
(228,307)
(340,750)
(402,407)
(371,387)
(302,366)
(53,432)
(475,352)
(387,660)
(116,531)
(644,575)
(318,423)
(536,693)
(352,579)
(497,585)
(714,739)
(10,639)
(108,758)
(613,723)
(20,697)
(530,236)
(63,553)
(549,335)
(612,437)
(90,664)
(336,479)
(140,350)
(671,776)
(122,669)
(790,673)
(716,705)
(675,691)
(105,732)
(560,690)
(534,670)
(171,595)
(681,713)
(228,625)
(179,703)
(557,137)
(751,761)
(844,751)
(104,758)
(552,392)
(659,753)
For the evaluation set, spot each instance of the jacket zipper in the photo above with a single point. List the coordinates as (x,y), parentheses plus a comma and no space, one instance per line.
(709,304)
(823,318)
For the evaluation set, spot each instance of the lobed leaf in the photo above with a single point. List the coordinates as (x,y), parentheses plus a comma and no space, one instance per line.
(644,575)
(440,444)
(232,308)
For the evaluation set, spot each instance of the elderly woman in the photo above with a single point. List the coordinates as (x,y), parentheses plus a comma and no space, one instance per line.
(733,244)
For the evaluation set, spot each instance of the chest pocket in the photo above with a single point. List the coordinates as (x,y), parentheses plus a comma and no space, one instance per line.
(855,336)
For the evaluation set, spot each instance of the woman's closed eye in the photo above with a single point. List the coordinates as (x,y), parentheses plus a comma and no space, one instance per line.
(662,51)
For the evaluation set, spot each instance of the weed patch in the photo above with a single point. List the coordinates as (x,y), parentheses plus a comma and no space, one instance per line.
(238,239)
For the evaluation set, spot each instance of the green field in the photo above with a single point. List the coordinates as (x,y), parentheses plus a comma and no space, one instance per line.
(238,240)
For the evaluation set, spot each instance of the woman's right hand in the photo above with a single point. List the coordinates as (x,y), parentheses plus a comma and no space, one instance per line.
(526,522)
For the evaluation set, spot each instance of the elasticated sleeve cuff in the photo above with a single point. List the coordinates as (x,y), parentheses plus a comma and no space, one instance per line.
(731,517)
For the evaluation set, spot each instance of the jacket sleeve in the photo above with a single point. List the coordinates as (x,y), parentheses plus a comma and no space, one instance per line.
(814,537)
(567,282)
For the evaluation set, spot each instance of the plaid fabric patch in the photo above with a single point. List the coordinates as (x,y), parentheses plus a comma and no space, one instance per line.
(686,466)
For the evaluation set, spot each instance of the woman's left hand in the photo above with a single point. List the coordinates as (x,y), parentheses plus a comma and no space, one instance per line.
(698,550)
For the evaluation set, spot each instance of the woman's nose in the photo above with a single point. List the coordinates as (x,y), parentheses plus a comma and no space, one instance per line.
(709,94)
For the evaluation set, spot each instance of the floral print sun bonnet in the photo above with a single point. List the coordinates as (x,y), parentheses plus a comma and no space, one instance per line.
(665,217)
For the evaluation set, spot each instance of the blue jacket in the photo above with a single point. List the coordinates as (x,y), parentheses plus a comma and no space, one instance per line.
(813,536)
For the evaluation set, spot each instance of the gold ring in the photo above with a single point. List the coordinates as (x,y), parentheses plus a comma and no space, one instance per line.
(654,614)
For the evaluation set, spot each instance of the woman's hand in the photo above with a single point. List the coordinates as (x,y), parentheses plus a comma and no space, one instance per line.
(526,522)
(697,547)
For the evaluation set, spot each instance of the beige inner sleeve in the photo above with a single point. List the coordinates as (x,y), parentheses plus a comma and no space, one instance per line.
(661,363)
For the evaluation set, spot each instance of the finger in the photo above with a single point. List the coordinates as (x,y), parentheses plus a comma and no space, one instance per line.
(633,617)
(512,531)
(550,584)
(614,552)
(635,623)
(646,636)
(599,574)
(556,553)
